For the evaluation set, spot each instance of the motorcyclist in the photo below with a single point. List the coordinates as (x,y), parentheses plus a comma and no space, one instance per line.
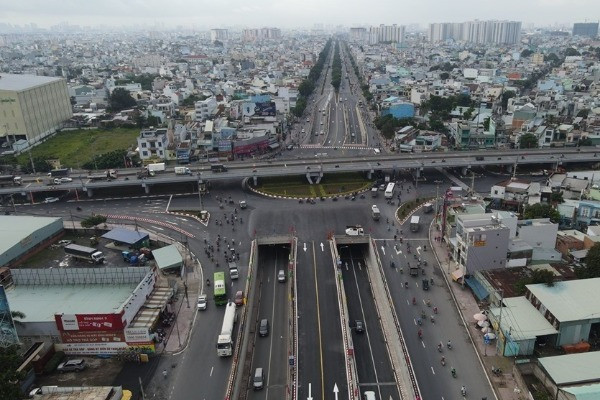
(453,371)
(432,319)
(414,301)
(440,347)
(420,332)
(435,310)
(207,282)
(449,344)
(419,321)
(443,360)
(463,390)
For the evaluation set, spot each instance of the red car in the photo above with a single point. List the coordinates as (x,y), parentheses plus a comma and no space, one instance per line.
(239,298)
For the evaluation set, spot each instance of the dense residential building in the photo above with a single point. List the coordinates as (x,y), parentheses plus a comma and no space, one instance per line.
(218,34)
(481,32)
(386,34)
(262,33)
(153,144)
(589,29)
(32,107)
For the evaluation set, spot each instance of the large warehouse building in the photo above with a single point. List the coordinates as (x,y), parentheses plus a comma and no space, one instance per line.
(21,236)
(32,107)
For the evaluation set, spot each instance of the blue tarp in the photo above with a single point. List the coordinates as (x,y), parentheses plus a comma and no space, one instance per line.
(125,236)
(477,288)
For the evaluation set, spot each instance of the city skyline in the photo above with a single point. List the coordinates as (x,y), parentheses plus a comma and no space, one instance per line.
(292,14)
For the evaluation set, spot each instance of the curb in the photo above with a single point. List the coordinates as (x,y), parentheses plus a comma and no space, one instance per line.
(205,223)
(303,198)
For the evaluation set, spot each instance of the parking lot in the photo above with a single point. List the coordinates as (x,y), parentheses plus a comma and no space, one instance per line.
(98,372)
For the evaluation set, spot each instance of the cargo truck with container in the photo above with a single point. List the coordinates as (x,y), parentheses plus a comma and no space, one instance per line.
(10,180)
(153,169)
(108,175)
(88,254)
(60,172)
(183,171)
(225,339)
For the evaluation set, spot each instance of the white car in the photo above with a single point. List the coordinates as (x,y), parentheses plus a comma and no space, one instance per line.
(355,231)
(66,180)
(51,199)
(56,181)
(202,302)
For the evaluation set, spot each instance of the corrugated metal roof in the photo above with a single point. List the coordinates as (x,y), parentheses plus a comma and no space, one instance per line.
(125,235)
(167,257)
(570,300)
(587,392)
(570,369)
(522,319)
(17,82)
(15,228)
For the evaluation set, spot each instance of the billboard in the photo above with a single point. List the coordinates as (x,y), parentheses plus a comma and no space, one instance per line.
(8,333)
(265,109)
(91,348)
(89,322)
(92,336)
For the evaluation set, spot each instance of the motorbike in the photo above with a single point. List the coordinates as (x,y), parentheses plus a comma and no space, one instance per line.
(432,319)
(420,333)
(496,371)
(435,310)
(443,361)
(440,347)
(419,321)
(449,345)
(406,285)
(453,372)
(428,303)
(208,282)
(78,208)
(463,391)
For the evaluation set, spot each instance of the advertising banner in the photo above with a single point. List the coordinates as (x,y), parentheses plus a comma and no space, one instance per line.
(91,348)
(92,336)
(137,335)
(89,322)
(265,109)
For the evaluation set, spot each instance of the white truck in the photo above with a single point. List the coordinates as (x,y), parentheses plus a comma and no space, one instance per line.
(355,230)
(154,168)
(375,212)
(183,171)
(414,223)
(85,253)
(225,340)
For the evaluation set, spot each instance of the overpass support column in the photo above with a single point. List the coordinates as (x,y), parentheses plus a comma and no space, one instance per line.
(147,189)
(318,179)
(509,168)
(417,173)
(464,171)
(370,174)
(309,178)
(255,180)
(89,192)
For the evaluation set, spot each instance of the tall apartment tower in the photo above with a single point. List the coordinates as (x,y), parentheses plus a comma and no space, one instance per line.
(483,32)
(218,34)
(585,29)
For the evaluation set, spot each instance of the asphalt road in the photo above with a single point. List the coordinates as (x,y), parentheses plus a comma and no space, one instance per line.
(271,352)
(373,365)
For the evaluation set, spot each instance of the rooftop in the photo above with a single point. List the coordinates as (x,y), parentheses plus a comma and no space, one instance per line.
(572,368)
(16,82)
(571,300)
(15,228)
(522,319)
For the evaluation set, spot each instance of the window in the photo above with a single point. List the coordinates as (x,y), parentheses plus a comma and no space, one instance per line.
(145,153)
(144,144)
(585,212)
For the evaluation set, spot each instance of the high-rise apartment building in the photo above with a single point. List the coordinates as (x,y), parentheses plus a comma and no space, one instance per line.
(386,34)
(585,29)
(358,34)
(218,34)
(263,33)
(483,32)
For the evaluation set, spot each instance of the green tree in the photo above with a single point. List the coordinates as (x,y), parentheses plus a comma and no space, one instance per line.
(306,88)
(591,268)
(557,197)
(571,52)
(585,142)
(526,53)
(469,113)
(444,76)
(541,210)
(509,94)
(112,159)
(528,141)
(583,113)
(92,221)
(120,99)
(10,360)
(537,276)
(486,124)
(40,164)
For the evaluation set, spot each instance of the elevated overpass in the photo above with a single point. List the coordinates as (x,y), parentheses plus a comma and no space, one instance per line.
(314,168)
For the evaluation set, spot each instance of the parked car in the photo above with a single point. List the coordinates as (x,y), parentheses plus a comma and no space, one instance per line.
(239,298)
(77,364)
(202,303)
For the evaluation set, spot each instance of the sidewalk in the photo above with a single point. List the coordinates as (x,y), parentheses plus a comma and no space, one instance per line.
(507,386)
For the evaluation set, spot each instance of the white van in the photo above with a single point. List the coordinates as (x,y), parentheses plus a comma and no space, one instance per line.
(369,395)
(259,378)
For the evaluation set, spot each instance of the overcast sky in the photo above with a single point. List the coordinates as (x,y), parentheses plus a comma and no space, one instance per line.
(290,13)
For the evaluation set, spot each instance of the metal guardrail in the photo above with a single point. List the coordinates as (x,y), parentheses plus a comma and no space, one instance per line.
(351,375)
(410,370)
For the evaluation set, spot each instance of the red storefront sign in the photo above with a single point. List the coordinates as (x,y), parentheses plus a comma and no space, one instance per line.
(89,322)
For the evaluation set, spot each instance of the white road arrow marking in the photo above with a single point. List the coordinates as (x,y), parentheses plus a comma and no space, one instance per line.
(322,247)
(397,251)
(419,250)
(304,248)
(335,391)
(383,250)
(309,392)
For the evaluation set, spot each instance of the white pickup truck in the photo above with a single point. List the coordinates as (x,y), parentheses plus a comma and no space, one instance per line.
(356,230)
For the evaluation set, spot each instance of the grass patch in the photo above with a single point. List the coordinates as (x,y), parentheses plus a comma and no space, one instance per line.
(75,148)
(406,208)
(298,186)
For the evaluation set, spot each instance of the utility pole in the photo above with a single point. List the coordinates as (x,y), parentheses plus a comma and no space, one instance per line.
(500,321)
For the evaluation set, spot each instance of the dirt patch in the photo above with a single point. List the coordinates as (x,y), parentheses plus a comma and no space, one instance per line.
(99,372)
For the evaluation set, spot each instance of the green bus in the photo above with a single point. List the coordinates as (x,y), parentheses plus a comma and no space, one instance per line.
(220,289)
